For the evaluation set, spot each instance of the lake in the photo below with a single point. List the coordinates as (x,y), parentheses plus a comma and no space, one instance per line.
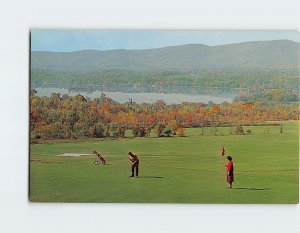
(143,97)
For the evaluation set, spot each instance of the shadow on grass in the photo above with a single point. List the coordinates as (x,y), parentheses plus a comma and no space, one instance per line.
(255,189)
(151,177)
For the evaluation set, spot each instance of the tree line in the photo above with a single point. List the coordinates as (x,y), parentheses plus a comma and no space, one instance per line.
(72,117)
(288,79)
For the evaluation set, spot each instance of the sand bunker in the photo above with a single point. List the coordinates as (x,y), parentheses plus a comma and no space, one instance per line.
(73,154)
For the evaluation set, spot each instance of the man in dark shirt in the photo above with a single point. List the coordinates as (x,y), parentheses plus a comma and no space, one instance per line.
(134,161)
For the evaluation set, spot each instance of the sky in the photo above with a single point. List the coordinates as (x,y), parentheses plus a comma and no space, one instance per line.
(74,40)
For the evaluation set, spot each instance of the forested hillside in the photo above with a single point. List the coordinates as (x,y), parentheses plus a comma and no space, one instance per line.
(262,69)
(270,55)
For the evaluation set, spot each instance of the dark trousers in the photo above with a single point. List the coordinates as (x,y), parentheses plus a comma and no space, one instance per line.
(135,166)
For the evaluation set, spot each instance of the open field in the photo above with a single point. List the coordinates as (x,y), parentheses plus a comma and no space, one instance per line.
(172,169)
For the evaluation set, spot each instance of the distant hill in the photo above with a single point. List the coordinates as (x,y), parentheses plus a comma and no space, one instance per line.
(277,54)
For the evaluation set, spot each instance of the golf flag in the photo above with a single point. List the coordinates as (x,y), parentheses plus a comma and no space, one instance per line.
(222,151)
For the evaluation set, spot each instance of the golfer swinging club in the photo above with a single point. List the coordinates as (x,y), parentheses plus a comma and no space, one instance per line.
(134,161)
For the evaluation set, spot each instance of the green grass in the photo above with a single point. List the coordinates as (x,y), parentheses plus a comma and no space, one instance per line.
(172,169)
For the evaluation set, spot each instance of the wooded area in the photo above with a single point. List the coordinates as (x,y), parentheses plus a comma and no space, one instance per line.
(71,117)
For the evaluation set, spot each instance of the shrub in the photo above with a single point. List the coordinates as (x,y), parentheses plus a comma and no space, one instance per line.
(180,132)
(239,129)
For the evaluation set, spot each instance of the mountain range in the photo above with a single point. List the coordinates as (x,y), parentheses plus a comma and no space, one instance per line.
(277,55)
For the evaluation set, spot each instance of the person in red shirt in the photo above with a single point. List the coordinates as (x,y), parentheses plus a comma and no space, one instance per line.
(230,176)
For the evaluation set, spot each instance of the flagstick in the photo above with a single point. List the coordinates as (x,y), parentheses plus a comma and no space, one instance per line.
(222,164)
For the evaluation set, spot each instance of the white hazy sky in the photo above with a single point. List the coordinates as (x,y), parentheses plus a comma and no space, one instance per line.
(72,40)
